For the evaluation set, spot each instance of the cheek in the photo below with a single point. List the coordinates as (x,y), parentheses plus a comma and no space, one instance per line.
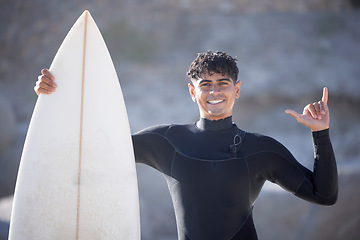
(200,94)
(230,93)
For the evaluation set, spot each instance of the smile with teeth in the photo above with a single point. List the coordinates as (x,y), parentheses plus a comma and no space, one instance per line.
(213,102)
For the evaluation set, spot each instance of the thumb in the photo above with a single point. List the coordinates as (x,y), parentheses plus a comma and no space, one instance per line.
(293,113)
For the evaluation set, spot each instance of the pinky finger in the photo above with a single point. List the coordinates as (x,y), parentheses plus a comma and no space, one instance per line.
(39,90)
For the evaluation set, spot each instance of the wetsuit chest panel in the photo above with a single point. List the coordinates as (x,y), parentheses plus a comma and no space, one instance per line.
(200,144)
(209,197)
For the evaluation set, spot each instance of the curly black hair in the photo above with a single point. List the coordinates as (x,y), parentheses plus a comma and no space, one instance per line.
(213,62)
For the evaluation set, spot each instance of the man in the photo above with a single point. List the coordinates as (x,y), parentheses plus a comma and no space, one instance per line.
(215,170)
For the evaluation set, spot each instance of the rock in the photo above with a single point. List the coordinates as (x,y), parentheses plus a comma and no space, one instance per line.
(5,212)
(7,125)
(4,230)
(279,215)
(9,163)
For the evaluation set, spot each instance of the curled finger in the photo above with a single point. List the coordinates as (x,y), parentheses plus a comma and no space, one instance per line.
(322,108)
(317,109)
(311,109)
(47,87)
(47,80)
(47,73)
(41,90)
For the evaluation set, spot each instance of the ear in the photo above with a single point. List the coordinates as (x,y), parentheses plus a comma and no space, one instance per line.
(192,91)
(237,89)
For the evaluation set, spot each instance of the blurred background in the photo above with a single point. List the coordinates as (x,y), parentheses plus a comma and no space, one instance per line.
(287,51)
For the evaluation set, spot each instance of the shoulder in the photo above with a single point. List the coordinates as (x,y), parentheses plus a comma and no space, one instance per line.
(266,146)
(163,129)
(157,129)
(257,137)
(262,142)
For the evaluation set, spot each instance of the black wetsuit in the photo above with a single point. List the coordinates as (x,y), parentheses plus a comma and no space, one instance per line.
(213,188)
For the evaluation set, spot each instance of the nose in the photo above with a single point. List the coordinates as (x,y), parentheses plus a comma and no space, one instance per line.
(214,89)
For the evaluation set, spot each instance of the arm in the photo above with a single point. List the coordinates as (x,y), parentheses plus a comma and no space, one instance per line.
(318,186)
(324,188)
(153,149)
(322,184)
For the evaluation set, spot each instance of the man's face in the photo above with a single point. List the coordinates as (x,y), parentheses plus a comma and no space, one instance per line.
(215,95)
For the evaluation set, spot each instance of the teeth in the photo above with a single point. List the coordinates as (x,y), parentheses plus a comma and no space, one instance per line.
(215,101)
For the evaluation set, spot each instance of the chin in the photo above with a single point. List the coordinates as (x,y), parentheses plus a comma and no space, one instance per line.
(213,116)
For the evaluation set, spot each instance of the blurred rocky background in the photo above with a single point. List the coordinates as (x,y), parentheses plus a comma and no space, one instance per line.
(287,51)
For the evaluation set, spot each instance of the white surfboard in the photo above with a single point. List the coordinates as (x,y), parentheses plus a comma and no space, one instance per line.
(77,177)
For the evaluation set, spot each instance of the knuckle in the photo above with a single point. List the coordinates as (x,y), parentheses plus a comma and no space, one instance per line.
(45,79)
(43,85)
(48,74)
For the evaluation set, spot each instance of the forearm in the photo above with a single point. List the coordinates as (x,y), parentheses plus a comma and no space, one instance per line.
(325,169)
(321,185)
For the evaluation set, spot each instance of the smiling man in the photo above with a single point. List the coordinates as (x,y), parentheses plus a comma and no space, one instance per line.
(215,170)
(215,95)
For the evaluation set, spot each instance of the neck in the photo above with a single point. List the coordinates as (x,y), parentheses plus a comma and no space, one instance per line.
(213,125)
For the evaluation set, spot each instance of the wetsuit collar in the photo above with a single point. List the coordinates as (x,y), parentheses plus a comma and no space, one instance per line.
(214,125)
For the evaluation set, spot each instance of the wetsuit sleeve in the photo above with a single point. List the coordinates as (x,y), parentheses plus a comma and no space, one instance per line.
(151,147)
(318,186)
(323,188)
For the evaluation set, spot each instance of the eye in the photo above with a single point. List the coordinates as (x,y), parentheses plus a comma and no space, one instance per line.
(224,83)
(205,85)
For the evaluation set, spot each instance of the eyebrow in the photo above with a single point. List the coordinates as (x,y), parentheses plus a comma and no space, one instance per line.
(224,79)
(218,80)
